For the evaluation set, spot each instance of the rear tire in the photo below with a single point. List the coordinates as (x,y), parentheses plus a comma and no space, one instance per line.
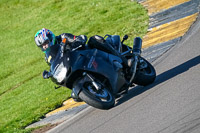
(145,76)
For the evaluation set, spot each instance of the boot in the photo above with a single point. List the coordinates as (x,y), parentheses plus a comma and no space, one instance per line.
(75,97)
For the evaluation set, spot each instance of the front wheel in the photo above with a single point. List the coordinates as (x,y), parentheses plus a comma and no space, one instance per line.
(145,73)
(101,99)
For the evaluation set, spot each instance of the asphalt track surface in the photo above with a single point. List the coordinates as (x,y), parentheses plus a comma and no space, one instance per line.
(170,105)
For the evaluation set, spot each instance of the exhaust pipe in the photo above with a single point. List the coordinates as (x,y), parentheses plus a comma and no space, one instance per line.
(137,46)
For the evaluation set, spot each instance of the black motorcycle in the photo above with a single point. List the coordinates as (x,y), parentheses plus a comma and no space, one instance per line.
(97,75)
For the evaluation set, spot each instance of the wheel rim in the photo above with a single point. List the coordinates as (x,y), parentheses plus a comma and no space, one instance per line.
(102,94)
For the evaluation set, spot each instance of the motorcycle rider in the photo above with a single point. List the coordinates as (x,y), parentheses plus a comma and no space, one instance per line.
(45,39)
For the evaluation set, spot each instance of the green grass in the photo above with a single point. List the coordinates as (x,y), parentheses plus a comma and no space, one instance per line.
(24,96)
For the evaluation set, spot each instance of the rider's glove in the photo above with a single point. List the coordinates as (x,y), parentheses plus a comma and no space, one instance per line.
(79,41)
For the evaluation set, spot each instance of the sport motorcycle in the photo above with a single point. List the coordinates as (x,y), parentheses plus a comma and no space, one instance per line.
(96,74)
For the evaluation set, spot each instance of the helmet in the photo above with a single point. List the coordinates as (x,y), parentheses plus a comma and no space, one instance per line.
(44,36)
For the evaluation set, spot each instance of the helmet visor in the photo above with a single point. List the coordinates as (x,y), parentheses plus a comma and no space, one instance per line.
(45,45)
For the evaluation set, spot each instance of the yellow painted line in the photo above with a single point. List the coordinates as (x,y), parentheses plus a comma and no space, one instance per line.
(168,31)
(177,25)
(66,106)
(182,21)
(155,6)
(166,38)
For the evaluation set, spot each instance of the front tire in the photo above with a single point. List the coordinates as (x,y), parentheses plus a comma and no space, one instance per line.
(101,99)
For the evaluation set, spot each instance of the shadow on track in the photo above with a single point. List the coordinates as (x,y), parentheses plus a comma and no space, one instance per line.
(160,79)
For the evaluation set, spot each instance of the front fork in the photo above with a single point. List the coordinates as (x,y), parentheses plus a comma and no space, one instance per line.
(137,46)
(77,90)
(134,67)
(92,80)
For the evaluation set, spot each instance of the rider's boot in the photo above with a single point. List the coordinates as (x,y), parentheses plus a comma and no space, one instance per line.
(130,66)
(75,97)
(130,62)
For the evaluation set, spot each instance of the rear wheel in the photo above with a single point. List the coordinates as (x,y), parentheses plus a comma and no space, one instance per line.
(101,98)
(145,73)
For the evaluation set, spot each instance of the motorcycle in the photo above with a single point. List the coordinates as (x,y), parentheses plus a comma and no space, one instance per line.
(97,76)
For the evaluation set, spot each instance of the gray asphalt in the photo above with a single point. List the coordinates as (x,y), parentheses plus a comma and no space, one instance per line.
(170,105)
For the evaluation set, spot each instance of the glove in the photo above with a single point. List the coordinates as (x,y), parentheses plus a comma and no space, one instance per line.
(79,41)
(69,37)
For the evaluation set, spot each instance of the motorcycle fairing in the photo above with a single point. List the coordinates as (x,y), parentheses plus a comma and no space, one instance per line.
(96,62)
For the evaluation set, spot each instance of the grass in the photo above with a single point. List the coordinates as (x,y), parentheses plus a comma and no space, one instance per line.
(24,96)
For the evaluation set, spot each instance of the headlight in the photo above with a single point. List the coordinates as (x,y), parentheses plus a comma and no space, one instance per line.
(60,73)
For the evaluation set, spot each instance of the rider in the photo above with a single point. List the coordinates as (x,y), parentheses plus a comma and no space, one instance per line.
(45,39)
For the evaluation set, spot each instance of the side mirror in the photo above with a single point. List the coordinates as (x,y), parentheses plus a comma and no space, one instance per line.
(46,74)
(124,38)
